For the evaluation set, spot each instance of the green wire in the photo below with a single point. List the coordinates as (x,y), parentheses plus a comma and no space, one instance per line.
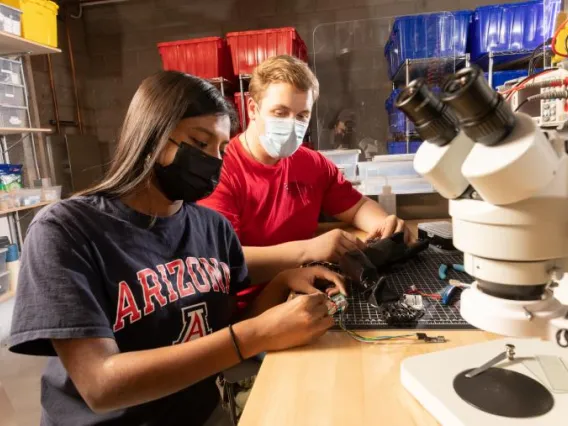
(364,339)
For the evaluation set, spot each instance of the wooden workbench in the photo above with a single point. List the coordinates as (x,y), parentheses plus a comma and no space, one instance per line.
(337,381)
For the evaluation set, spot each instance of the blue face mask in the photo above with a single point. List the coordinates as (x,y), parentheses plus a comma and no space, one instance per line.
(282,136)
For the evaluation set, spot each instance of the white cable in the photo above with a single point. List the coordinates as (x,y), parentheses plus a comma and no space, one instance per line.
(80,15)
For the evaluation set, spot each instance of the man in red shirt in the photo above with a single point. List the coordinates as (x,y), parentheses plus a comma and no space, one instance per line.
(272,189)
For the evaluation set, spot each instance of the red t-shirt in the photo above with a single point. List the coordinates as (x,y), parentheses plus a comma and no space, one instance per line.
(270,205)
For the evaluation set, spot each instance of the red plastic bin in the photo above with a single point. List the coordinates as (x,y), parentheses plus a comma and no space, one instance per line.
(203,57)
(250,48)
(238,96)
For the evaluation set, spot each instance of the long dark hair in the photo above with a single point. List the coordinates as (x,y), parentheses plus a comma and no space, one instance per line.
(159,104)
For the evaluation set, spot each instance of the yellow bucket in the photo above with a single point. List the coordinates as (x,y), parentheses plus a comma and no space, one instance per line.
(13,3)
(39,20)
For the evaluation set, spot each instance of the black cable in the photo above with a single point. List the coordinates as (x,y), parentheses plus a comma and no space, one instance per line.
(562,338)
(535,51)
(531,58)
(534,60)
(522,104)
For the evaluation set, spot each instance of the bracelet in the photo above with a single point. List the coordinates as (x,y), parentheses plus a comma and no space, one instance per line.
(235,344)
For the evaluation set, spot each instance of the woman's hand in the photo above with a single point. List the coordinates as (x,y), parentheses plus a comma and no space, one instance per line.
(294,323)
(304,280)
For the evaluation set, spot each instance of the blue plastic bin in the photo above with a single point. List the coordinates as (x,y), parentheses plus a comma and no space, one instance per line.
(414,145)
(434,35)
(514,27)
(399,147)
(500,77)
(397,119)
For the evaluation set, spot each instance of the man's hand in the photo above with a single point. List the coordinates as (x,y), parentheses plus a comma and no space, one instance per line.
(332,245)
(389,226)
(303,280)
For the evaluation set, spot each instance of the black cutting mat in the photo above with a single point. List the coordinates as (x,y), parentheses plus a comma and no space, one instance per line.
(421,272)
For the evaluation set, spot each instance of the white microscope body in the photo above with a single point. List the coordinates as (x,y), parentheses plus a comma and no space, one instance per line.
(507,182)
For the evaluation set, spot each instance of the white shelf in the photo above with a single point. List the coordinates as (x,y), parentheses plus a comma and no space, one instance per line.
(11,44)
(19,130)
(19,209)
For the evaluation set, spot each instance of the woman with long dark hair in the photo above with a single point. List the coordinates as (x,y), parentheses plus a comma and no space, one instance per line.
(129,285)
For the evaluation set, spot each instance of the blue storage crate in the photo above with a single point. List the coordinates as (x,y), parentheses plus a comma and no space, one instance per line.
(500,77)
(399,147)
(513,27)
(414,145)
(396,147)
(397,119)
(435,35)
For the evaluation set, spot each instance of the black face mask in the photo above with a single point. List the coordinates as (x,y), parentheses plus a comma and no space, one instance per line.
(192,176)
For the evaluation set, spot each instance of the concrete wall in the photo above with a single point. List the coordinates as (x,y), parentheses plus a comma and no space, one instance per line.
(63,79)
(121,38)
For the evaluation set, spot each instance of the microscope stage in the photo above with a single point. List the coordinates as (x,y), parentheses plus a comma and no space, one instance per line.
(430,379)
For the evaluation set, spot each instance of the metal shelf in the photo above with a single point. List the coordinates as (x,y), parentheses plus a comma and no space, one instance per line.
(242,79)
(491,59)
(222,83)
(19,130)
(518,58)
(19,209)
(411,69)
(11,44)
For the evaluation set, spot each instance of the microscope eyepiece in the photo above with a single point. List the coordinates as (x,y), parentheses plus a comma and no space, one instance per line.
(433,120)
(483,114)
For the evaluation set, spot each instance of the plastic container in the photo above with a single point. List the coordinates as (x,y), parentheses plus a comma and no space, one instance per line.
(349,171)
(12,95)
(52,193)
(342,157)
(250,48)
(397,119)
(3,253)
(20,198)
(10,19)
(512,27)
(501,77)
(387,200)
(204,57)
(13,265)
(39,20)
(238,97)
(427,36)
(388,165)
(10,71)
(399,185)
(13,117)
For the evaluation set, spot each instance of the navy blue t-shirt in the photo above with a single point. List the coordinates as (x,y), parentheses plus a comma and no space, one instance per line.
(92,267)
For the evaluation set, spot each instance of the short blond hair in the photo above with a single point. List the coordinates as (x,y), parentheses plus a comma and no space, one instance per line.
(283,69)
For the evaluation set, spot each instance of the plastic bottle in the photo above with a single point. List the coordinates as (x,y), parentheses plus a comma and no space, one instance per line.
(13,264)
(387,199)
